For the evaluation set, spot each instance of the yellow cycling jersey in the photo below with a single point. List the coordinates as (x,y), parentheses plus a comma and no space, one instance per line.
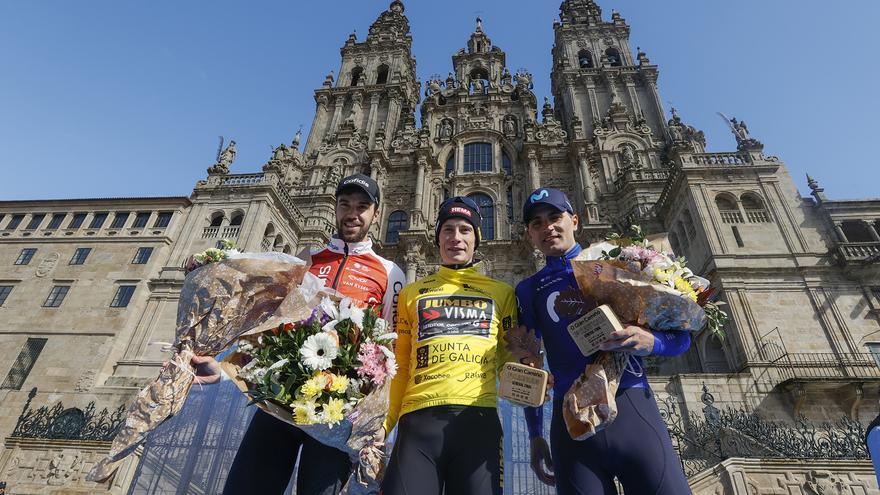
(450,342)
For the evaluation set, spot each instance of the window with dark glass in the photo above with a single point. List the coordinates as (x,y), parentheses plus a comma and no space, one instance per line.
(236,220)
(5,290)
(382,74)
(98,220)
(142,256)
(478,157)
(141,219)
(57,218)
(505,163)
(77,221)
(487,211)
(14,222)
(80,255)
(25,256)
(56,296)
(123,296)
(23,364)
(397,221)
(36,220)
(163,220)
(119,220)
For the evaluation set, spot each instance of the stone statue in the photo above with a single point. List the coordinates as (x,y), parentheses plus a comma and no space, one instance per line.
(450,82)
(297,139)
(479,86)
(510,126)
(433,87)
(744,140)
(54,475)
(280,153)
(224,161)
(628,157)
(446,129)
(334,175)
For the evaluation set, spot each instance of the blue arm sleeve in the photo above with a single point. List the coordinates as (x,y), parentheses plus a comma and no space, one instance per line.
(671,344)
(534,415)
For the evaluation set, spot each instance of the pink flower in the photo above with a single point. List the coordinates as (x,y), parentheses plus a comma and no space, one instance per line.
(639,254)
(372,363)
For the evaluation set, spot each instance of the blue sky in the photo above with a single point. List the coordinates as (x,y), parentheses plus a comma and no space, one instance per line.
(104,98)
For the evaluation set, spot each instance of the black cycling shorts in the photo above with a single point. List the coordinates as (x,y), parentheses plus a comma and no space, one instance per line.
(447,449)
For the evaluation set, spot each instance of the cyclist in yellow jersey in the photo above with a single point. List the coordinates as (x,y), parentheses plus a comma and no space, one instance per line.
(450,347)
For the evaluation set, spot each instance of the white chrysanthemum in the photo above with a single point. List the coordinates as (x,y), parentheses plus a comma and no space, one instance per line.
(319,351)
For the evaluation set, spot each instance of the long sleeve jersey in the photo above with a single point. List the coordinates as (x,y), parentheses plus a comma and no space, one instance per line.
(548,302)
(356,271)
(450,343)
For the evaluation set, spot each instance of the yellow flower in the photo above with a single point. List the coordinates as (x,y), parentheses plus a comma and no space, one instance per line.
(338,383)
(685,288)
(333,411)
(314,385)
(304,412)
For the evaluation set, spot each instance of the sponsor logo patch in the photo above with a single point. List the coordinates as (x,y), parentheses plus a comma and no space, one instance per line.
(455,315)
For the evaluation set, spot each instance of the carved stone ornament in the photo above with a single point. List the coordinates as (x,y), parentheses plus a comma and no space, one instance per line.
(227,156)
(825,483)
(407,138)
(47,264)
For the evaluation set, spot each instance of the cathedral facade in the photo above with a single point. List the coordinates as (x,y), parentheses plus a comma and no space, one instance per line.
(89,286)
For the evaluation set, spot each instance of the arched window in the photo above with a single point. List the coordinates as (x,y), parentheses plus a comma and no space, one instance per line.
(278,245)
(397,221)
(487,211)
(236,219)
(382,74)
(614,58)
(754,208)
(728,208)
(356,75)
(585,59)
(505,163)
(450,164)
(217,219)
(478,157)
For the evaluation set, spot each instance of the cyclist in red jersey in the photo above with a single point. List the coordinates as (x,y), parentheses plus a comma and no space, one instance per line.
(268,452)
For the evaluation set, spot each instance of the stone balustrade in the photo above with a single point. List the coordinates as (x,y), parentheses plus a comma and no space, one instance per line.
(731,216)
(859,251)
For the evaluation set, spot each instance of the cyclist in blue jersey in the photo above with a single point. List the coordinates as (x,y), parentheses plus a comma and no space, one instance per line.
(635,448)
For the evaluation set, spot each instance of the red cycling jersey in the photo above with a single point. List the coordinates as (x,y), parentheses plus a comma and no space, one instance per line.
(356,271)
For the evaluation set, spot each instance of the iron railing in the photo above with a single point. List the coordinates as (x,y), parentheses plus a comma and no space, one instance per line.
(60,423)
(703,442)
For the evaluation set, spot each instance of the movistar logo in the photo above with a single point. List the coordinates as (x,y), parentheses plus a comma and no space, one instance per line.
(538,196)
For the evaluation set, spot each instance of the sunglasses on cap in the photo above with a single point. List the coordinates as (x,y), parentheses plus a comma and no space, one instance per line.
(461,199)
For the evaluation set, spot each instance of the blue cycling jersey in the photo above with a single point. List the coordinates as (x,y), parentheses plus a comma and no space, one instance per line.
(548,302)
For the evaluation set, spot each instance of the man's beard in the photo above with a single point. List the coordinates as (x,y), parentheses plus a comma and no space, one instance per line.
(358,236)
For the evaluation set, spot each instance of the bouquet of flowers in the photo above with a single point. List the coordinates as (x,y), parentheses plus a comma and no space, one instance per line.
(669,295)
(643,286)
(219,302)
(328,374)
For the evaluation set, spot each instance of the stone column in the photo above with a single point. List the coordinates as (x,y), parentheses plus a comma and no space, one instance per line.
(412,262)
(337,114)
(586,179)
(872,231)
(421,165)
(371,120)
(534,173)
(838,229)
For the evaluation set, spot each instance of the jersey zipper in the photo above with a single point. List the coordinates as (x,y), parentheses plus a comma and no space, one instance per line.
(341,266)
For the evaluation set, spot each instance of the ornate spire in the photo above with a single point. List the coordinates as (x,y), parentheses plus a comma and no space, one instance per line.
(392,25)
(818,192)
(479,42)
(580,12)
(811,182)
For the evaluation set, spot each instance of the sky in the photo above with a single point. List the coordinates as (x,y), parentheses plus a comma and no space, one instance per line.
(103,98)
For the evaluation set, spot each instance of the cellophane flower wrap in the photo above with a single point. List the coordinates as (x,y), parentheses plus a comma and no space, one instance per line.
(643,286)
(224,296)
(328,374)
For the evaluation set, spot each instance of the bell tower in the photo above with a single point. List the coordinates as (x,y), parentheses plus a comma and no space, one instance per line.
(376,85)
(608,99)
